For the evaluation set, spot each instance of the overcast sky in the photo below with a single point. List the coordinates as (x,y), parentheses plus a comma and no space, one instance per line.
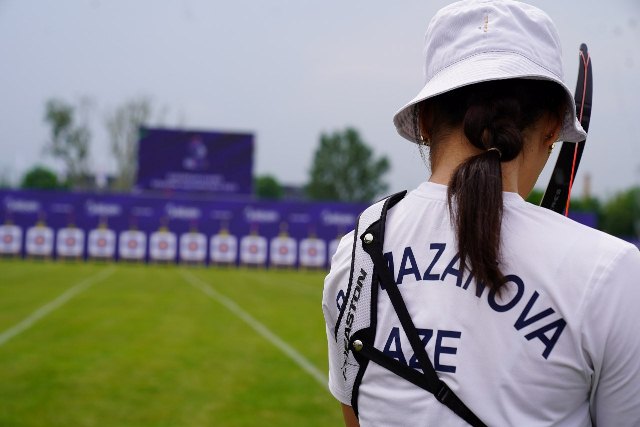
(285,70)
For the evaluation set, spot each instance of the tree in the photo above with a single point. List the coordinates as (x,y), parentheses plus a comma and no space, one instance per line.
(123,127)
(5,179)
(40,178)
(621,214)
(344,169)
(585,204)
(267,187)
(69,140)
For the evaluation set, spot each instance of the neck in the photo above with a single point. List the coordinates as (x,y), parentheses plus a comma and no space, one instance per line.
(454,148)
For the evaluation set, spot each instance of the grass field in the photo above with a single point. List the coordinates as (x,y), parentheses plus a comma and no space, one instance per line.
(135,345)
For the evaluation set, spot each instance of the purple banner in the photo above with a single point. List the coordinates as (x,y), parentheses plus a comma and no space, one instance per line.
(192,161)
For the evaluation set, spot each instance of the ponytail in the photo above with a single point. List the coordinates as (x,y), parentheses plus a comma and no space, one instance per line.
(493,116)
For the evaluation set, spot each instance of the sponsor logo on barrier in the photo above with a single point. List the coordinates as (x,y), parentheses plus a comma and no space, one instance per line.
(21,205)
(182,212)
(260,215)
(338,218)
(102,208)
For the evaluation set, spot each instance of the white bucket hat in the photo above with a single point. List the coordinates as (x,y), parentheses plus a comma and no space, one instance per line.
(474,41)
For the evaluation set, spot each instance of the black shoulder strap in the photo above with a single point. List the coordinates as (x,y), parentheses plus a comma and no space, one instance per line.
(372,242)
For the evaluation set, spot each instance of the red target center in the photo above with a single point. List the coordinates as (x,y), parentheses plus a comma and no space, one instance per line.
(253,249)
(39,240)
(70,241)
(163,245)
(7,238)
(102,242)
(312,252)
(224,248)
(193,246)
(132,244)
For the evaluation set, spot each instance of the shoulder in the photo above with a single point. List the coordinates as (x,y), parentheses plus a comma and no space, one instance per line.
(560,233)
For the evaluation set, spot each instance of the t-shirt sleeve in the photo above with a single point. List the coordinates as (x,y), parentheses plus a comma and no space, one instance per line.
(333,296)
(612,341)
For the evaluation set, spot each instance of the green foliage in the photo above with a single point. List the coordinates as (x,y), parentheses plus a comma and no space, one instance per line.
(585,204)
(40,178)
(535,196)
(144,348)
(578,204)
(344,169)
(69,141)
(621,214)
(5,179)
(267,187)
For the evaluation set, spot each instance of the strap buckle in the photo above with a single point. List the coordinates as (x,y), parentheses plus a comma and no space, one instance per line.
(443,392)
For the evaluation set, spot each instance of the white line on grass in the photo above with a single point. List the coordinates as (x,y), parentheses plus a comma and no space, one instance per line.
(259,327)
(52,305)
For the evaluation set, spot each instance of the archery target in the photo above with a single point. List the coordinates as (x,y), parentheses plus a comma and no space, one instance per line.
(132,245)
(283,251)
(102,243)
(70,242)
(193,247)
(224,248)
(253,250)
(39,241)
(313,252)
(162,246)
(10,239)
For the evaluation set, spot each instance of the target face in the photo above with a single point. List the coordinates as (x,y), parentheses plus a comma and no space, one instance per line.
(102,242)
(7,238)
(163,245)
(132,244)
(39,240)
(253,249)
(193,246)
(283,250)
(70,241)
(312,252)
(224,248)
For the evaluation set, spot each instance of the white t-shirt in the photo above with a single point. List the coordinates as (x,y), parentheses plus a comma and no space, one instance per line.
(560,348)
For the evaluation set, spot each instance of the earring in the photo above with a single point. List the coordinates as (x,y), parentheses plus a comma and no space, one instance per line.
(551,147)
(425,142)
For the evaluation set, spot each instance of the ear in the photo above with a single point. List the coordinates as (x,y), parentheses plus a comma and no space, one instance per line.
(425,119)
(552,127)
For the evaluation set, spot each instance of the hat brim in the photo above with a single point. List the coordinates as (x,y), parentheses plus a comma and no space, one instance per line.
(487,66)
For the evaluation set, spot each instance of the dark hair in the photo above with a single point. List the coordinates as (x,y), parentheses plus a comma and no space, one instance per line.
(492,115)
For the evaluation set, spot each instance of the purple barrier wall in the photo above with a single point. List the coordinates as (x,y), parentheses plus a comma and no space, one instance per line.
(118,213)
